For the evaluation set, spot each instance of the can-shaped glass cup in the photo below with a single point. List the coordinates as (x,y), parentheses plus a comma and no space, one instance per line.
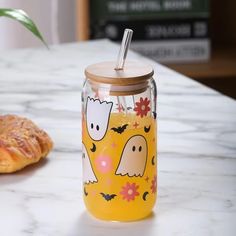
(119,141)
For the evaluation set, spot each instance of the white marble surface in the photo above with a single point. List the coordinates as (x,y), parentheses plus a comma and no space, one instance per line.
(197,150)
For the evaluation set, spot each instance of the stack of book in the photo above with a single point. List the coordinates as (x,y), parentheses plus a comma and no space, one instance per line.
(165,30)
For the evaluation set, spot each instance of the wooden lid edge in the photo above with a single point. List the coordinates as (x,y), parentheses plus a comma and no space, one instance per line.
(119,81)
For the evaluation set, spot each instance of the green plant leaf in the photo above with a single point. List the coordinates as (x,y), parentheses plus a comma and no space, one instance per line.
(24,19)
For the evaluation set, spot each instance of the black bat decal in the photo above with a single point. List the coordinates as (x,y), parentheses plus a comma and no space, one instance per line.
(108,197)
(85,193)
(93,149)
(120,129)
(147,129)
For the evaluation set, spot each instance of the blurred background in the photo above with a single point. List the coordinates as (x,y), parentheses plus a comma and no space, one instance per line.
(56,20)
(194,37)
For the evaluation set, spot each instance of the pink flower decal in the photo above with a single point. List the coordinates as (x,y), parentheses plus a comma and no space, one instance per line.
(129,191)
(103,164)
(142,107)
(154,184)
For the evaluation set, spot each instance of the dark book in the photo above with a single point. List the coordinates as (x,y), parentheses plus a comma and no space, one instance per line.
(181,50)
(156,29)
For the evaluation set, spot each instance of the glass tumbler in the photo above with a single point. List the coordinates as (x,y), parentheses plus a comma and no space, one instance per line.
(119,136)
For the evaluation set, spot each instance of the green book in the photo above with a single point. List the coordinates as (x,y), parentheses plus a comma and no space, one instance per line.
(139,9)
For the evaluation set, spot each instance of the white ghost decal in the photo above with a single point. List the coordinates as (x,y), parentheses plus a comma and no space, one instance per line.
(88,173)
(134,157)
(97,117)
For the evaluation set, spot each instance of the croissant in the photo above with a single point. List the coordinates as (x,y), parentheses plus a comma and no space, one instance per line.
(21,143)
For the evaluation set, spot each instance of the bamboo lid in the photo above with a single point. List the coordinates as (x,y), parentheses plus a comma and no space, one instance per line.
(133,73)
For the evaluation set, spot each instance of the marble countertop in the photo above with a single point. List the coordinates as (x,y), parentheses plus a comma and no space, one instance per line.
(197,150)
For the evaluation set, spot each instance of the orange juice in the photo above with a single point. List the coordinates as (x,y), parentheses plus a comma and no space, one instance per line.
(120,167)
